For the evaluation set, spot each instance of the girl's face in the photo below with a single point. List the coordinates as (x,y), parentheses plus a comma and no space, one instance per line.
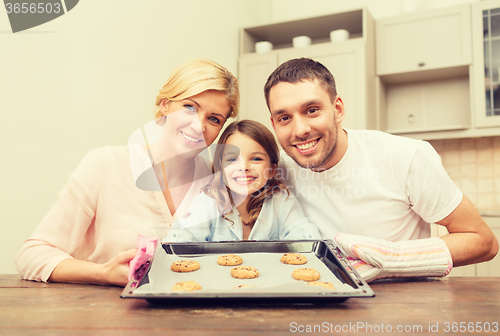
(246,165)
(195,122)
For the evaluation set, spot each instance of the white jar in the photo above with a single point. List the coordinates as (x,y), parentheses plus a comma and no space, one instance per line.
(263,47)
(339,35)
(301,41)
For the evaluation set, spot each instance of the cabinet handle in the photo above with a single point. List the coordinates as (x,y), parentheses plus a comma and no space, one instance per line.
(421,64)
(411,118)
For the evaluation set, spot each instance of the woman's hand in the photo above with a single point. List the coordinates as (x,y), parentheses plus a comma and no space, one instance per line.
(115,271)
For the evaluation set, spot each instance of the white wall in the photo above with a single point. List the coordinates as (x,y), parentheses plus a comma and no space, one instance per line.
(88,79)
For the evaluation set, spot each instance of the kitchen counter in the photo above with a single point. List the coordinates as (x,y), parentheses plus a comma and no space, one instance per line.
(443,305)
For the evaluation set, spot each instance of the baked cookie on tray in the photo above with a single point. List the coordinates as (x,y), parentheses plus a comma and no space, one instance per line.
(185,266)
(244,272)
(186,286)
(306,274)
(293,259)
(321,284)
(229,260)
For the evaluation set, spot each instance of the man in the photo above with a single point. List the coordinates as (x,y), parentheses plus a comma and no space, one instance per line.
(382,188)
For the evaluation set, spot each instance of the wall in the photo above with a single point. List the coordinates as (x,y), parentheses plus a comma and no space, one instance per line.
(88,79)
(474,166)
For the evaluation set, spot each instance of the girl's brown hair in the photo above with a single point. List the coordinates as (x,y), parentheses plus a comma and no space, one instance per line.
(218,188)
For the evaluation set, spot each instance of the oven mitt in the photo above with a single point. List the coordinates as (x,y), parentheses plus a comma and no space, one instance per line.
(145,250)
(375,258)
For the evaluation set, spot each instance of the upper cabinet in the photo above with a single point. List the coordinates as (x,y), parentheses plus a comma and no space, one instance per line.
(424,62)
(424,41)
(351,62)
(486,76)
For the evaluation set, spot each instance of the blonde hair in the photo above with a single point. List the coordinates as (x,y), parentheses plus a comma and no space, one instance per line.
(218,188)
(197,76)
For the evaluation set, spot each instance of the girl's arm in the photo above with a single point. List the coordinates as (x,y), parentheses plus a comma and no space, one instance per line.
(293,223)
(198,226)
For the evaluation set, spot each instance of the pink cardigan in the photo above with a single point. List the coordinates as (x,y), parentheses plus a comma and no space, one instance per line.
(101,211)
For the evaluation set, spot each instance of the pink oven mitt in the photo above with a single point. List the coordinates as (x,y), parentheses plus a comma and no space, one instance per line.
(375,258)
(145,250)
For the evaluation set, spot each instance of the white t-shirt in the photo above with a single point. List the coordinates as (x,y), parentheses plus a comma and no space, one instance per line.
(385,186)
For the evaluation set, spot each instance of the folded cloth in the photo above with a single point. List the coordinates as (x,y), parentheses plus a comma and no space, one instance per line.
(145,250)
(375,258)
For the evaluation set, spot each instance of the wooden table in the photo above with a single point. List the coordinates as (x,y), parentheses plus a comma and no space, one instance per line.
(450,304)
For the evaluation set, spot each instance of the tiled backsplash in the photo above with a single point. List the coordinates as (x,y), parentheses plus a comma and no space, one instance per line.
(474,166)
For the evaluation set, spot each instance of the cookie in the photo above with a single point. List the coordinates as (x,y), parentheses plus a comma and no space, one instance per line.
(186,286)
(321,284)
(306,274)
(229,260)
(293,259)
(185,266)
(244,286)
(244,272)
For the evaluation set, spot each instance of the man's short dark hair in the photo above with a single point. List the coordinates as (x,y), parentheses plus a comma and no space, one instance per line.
(298,70)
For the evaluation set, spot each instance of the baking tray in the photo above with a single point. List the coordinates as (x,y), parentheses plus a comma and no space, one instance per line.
(153,280)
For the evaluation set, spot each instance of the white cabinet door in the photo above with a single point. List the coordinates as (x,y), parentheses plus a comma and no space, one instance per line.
(428,106)
(424,40)
(254,69)
(346,63)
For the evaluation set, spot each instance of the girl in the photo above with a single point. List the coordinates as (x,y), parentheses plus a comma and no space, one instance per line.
(245,201)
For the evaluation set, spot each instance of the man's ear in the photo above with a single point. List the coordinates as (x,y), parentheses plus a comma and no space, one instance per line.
(339,109)
(272,122)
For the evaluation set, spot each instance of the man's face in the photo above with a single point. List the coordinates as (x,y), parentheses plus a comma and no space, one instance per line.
(306,122)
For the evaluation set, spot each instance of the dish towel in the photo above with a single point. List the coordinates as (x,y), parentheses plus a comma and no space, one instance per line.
(145,250)
(375,258)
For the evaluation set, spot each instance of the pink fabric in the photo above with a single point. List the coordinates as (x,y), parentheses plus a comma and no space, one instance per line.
(145,250)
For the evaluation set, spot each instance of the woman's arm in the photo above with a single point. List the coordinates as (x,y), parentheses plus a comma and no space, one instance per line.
(63,230)
(114,272)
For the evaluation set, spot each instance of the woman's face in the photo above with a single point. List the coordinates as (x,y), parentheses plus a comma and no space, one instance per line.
(195,122)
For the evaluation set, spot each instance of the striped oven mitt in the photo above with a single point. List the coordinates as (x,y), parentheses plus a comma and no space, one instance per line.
(375,258)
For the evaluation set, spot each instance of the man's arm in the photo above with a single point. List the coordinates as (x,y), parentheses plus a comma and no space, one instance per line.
(470,240)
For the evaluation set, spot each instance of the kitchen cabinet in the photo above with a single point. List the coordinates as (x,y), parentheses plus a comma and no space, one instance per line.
(486,29)
(421,41)
(351,63)
(253,71)
(423,68)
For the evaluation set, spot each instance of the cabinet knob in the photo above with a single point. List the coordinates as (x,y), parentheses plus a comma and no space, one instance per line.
(421,64)
(411,118)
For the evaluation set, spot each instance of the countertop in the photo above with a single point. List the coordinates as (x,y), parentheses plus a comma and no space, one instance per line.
(444,305)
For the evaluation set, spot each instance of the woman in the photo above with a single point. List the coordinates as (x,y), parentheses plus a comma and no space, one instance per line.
(89,235)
